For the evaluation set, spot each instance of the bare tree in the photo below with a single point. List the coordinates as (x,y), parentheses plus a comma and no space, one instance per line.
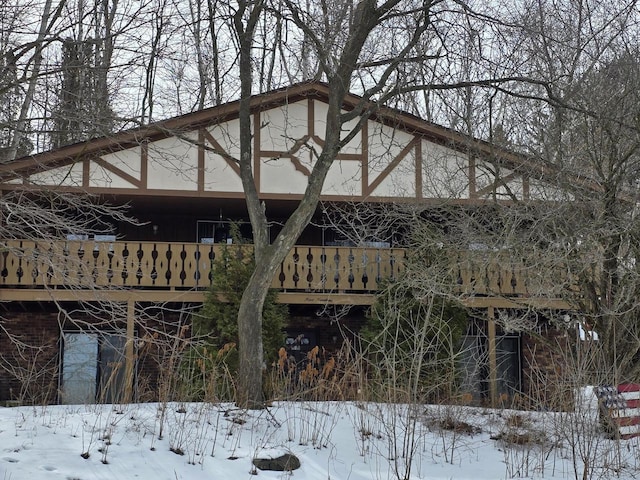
(573,123)
(24,63)
(344,37)
(591,138)
(603,144)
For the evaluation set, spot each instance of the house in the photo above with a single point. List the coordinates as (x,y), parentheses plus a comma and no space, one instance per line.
(76,306)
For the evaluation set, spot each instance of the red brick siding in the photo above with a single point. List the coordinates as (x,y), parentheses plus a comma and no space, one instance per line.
(545,381)
(29,357)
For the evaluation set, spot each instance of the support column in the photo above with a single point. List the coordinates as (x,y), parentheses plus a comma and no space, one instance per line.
(493,363)
(130,360)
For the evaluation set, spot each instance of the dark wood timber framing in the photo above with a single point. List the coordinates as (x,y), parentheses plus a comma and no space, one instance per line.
(93,150)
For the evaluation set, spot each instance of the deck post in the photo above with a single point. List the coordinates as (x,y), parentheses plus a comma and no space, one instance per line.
(493,364)
(130,359)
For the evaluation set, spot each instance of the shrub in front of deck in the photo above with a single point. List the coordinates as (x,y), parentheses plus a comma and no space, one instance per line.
(215,326)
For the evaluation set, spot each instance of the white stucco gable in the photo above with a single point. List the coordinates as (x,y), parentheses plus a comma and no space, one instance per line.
(394,156)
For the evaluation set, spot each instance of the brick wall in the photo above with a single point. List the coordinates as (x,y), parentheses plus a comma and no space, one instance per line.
(546,382)
(29,357)
(30,344)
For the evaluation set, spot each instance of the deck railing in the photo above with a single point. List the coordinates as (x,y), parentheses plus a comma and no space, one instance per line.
(172,265)
(175,266)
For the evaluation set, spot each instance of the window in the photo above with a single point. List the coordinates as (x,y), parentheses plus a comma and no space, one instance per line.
(93,367)
(210,231)
(206,231)
(474,363)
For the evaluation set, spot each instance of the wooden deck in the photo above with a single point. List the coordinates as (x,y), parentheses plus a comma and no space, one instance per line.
(166,271)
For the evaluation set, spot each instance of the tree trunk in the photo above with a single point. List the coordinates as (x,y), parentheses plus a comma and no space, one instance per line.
(251,361)
(46,21)
(268,259)
(269,256)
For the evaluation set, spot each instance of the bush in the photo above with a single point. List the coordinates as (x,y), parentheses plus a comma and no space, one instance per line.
(412,344)
(215,326)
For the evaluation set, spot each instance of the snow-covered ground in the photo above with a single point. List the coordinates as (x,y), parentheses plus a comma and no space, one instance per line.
(333,440)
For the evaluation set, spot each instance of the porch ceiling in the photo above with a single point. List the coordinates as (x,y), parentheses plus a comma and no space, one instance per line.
(212,208)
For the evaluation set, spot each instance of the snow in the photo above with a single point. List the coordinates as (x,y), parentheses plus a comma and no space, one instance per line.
(333,440)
